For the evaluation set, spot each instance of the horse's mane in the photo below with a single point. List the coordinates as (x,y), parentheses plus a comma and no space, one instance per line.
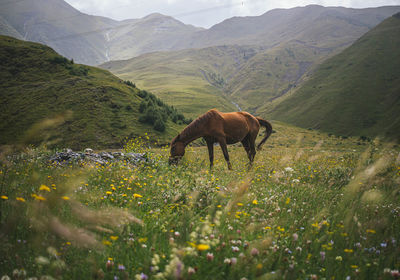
(195,125)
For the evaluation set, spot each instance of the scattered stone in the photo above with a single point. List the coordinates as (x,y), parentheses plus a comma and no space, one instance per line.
(68,156)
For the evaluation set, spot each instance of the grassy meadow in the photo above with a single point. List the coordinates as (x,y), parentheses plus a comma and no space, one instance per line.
(313,206)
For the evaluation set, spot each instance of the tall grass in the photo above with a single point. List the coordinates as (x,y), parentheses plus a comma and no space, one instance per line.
(311,207)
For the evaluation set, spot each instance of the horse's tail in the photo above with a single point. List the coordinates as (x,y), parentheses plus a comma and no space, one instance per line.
(268,131)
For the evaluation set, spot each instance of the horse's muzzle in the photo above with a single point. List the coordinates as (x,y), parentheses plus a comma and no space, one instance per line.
(173,160)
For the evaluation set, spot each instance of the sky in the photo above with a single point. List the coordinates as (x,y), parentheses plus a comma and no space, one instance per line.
(205,13)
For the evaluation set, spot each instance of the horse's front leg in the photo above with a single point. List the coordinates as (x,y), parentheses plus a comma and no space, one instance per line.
(210,146)
(222,143)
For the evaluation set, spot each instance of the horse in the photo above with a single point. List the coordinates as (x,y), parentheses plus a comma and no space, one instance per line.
(224,128)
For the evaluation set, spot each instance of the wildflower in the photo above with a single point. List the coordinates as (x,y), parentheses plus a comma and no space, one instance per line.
(106,242)
(191,270)
(254,252)
(348,250)
(121,267)
(114,238)
(289,169)
(233,261)
(227,261)
(295,236)
(235,249)
(239,204)
(202,247)
(316,225)
(281,229)
(255,202)
(20,199)
(65,197)
(354,266)
(4,197)
(108,192)
(371,231)
(322,253)
(44,188)
(339,258)
(109,264)
(135,195)
(38,197)
(210,256)
(287,200)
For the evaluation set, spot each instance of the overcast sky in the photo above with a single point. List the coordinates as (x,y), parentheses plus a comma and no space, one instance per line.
(205,13)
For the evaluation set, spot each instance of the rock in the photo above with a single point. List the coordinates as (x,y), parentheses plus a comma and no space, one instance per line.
(88,151)
(102,158)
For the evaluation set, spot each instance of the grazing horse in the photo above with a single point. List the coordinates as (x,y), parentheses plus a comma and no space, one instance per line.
(224,128)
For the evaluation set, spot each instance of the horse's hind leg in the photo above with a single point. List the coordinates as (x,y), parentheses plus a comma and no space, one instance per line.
(252,148)
(222,143)
(210,146)
(246,146)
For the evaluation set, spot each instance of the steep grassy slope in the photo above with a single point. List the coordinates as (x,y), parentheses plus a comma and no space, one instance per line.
(86,106)
(356,92)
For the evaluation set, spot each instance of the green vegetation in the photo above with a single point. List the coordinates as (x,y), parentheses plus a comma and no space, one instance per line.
(313,206)
(355,92)
(46,97)
(156,112)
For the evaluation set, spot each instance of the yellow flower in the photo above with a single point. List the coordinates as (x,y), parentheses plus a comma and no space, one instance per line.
(137,195)
(20,199)
(239,204)
(44,188)
(316,225)
(65,197)
(142,239)
(280,229)
(267,228)
(108,192)
(371,231)
(114,238)
(354,266)
(106,242)
(348,250)
(4,197)
(255,202)
(203,247)
(38,197)
(287,200)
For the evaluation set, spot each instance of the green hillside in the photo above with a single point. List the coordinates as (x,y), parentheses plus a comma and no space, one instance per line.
(84,106)
(190,80)
(355,92)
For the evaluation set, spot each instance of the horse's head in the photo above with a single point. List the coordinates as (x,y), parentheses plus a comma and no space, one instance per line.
(177,150)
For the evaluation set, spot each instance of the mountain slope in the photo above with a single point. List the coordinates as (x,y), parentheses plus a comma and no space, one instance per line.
(154,32)
(315,25)
(187,79)
(93,40)
(91,106)
(60,26)
(356,92)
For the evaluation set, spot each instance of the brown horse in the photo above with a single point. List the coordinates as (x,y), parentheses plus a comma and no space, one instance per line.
(224,128)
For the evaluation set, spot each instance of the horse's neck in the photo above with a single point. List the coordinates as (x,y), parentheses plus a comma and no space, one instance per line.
(189,136)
